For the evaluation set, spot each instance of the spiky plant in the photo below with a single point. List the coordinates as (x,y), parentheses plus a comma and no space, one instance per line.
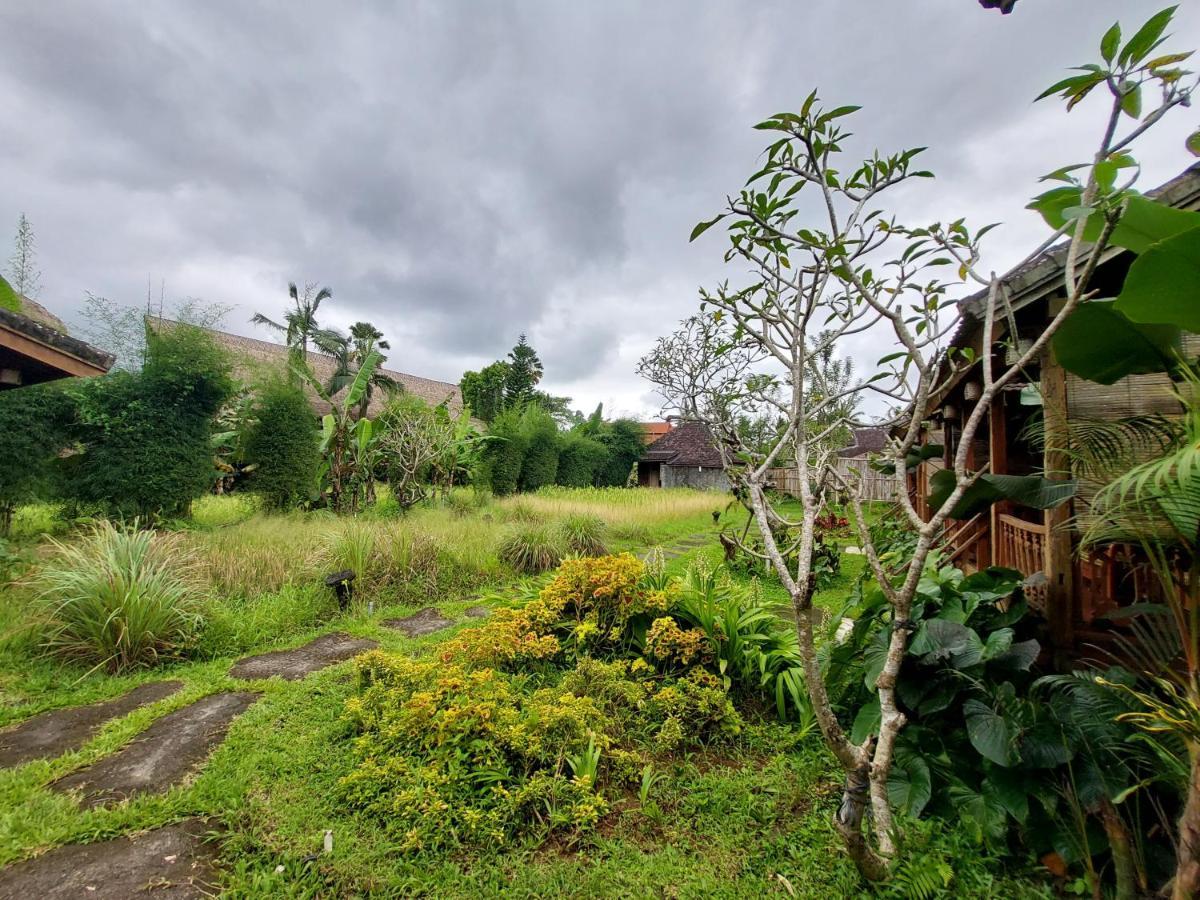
(120,598)
(583,535)
(532,549)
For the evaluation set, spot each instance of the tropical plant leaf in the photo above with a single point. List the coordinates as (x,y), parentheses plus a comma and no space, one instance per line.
(363,379)
(1099,343)
(1163,284)
(866,721)
(909,784)
(990,733)
(1024,490)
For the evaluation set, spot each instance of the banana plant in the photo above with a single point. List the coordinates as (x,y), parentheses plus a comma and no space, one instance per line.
(346,473)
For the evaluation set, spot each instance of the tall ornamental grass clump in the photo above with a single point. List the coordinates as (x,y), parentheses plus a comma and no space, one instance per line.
(119,598)
(532,549)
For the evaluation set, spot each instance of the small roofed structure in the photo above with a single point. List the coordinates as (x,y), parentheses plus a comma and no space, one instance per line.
(686,456)
(35,348)
(253,357)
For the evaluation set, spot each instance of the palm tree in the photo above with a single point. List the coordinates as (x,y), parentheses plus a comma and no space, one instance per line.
(350,354)
(300,322)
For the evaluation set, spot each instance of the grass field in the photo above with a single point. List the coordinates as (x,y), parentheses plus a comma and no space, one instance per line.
(745,819)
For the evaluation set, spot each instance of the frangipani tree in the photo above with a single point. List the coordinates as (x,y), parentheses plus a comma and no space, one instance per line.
(828,260)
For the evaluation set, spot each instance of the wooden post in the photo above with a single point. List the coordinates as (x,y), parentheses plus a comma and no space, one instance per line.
(1060,587)
(998,461)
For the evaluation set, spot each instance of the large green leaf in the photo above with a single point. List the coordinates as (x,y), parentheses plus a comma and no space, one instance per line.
(1099,343)
(1143,222)
(866,722)
(1011,789)
(990,733)
(1024,490)
(909,783)
(363,378)
(1163,284)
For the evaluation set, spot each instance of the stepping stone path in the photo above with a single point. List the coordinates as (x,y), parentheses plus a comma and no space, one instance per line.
(292,665)
(62,730)
(171,863)
(684,546)
(427,621)
(161,756)
(479,612)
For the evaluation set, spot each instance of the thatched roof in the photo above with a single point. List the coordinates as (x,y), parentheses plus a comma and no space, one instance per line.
(254,358)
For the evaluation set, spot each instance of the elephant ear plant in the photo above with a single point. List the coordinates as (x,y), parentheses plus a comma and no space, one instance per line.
(828,262)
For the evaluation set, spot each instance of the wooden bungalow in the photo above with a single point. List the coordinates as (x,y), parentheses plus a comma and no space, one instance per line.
(686,456)
(1074,592)
(35,347)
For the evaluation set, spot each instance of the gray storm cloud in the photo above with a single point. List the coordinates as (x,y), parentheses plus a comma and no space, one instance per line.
(462,172)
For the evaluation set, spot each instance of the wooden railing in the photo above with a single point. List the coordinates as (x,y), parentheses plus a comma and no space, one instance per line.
(1021,545)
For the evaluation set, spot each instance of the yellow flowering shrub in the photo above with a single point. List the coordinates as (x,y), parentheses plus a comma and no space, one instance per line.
(674,647)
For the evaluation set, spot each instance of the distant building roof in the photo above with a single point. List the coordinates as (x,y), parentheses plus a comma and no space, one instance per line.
(251,355)
(687,444)
(866,440)
(652,431)
(33,349)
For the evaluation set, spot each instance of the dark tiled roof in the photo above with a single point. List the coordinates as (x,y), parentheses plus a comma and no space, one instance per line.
(251,355)
(866,440)
(687,444)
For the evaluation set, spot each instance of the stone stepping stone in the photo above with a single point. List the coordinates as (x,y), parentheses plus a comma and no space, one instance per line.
(419,624)
(161,756)
(294,664)
(171,863)
(62,730)
(479,612)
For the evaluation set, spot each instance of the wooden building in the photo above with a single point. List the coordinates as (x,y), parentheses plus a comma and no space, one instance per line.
(1074,592)
(35,347)
(686,456)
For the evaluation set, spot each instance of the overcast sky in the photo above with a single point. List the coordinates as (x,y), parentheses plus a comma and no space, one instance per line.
(461,172)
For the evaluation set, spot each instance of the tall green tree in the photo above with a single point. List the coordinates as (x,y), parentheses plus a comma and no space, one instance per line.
(483,391)
(350,353)
(300,321)
(34,428)
(23,272)
(524,373)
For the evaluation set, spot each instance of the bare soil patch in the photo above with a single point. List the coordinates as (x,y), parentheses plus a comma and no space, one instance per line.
(175,863)
(292,665)
(56,732)
(427,621)
(163,755)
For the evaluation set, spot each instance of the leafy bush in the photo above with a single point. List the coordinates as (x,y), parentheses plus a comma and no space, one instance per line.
(119,599)
(283,446)
(540,463)
(622,438)
(580,461)
(34,424)
(504,454)
(583,535)
(531,549)
(521,726)
(147,437)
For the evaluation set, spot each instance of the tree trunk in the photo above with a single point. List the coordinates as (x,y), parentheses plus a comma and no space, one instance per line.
(1187,854)
(1122,851)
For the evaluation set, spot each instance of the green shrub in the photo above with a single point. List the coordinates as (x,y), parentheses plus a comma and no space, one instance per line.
(531,549)
(583,535)
(503,456)
(34,424)
(540,463)
(622,438)
(283,446)
(147,437)
(580,461)
(119,599)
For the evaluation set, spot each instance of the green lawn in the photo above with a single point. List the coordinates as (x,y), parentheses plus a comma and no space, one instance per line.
(744,819)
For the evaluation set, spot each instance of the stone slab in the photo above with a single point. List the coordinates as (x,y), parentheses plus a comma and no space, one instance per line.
(162,755)
(170,863)
(479,612)
(294,664)
(419,624)
(60,731)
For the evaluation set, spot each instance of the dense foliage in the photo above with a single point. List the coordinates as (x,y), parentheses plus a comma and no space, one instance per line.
(146,437)
(541,441)
(536,722)
(34,428)
(282,445)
